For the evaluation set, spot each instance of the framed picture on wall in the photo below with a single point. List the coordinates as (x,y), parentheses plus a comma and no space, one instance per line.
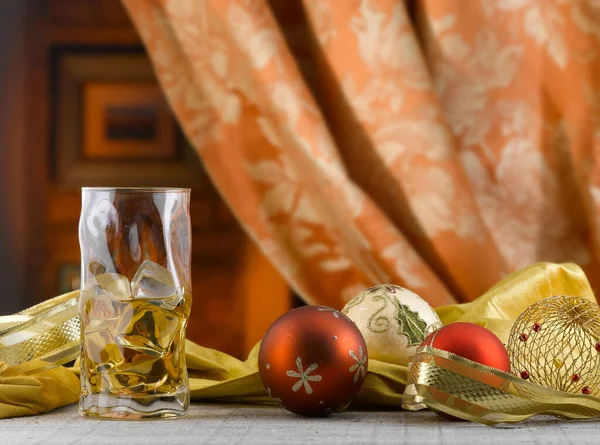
(127,120)
(112,123)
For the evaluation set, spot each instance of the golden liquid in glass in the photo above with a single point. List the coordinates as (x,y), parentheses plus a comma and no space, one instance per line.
(134,348)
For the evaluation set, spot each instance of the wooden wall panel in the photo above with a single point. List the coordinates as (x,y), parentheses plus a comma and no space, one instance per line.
(13,168)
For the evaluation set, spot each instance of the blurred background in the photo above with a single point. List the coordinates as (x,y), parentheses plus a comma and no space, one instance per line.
(81,107)
(434,144)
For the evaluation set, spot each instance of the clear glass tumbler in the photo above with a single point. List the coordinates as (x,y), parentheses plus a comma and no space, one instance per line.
(135,302)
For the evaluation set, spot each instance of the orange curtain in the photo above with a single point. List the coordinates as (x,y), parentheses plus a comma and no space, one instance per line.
(435,144)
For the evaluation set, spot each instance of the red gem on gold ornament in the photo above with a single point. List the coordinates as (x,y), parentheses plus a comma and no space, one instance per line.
(523,336)
(313,360)
(524,375)
(597,346)
(537,327)
(586,390)
(575,377)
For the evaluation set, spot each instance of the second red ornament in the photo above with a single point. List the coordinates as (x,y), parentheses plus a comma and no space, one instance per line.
(472,342)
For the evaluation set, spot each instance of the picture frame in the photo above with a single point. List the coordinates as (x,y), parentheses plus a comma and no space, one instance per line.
(126,120)
(111,123)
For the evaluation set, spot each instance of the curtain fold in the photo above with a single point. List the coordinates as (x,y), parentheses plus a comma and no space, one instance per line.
(437,144)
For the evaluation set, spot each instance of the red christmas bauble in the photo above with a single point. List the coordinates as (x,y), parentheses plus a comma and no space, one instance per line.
(472,342)
(313,360)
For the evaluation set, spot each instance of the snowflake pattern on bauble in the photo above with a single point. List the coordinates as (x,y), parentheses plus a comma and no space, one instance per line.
(359,366)
(304,376)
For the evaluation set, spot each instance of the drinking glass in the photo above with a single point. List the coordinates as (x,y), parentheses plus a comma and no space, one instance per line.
(135,302)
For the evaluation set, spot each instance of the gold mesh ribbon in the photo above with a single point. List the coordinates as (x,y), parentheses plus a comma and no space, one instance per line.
(48,332)
(459,387)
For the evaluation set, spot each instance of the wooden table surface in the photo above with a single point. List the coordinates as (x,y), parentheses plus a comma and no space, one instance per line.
(252,424)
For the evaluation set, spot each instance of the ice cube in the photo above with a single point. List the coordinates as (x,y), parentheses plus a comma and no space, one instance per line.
(101,348)
(147,328)
(99,312)
(154,282)
(142,375)
(112,285)
(101,297)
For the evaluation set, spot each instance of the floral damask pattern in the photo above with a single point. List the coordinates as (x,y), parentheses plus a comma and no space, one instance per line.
(423,143)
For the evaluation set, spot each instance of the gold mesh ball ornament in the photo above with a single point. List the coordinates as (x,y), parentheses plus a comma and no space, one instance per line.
(556,343)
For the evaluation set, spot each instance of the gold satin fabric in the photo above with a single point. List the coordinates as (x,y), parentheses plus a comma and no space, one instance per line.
(31,388)
(500,306)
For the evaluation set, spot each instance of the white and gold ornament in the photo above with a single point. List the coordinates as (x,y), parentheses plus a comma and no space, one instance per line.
(393,321)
